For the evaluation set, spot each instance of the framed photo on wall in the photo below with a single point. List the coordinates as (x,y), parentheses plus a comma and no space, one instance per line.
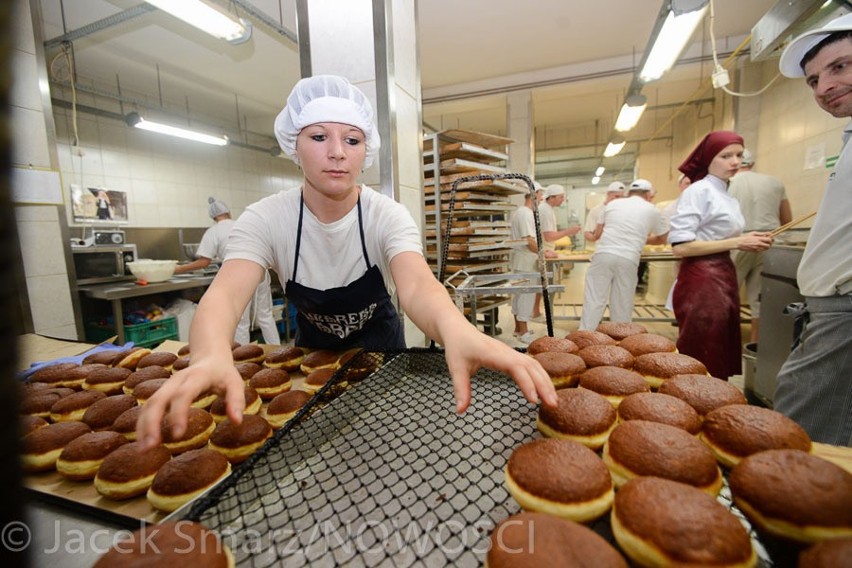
(98,205)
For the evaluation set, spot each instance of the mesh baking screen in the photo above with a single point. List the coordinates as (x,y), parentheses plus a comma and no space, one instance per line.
(385,474)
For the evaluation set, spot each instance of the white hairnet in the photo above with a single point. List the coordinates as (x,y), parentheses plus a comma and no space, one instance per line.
(216,207)
(553,190)
(326,98)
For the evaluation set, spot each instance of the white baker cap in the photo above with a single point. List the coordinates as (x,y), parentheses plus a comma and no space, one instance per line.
(791,59)
(553,190)
(641,185)
(216,207)
(615,187)
(748,158)
(326,98)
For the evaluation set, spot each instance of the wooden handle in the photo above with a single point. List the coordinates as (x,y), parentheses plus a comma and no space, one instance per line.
(791,224)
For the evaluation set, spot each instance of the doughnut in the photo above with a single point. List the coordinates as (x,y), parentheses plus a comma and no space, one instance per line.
(30,387)
(237,443)
(125,424)
(184,350)
(101,357)
(75,377)
(171,543)
(253,404)
(162,359)
(199,426)
(641,448)
(287,358)
(185,477)
(584,338)
(319,359)
(661,408)
(247,370)
(108,380)
(659,522)
(82,457)
(564,368)
(129,470)
(31,424)
(102,414)
(580,415)
(145,390)
(613,383)
(362,364)
(317,379)
(73,406)
(621,329)
(39,402)
(251,353)
(535,539)
(42,447)
(794,495)
(659,367)
(606,355)
(547,343)
(737,431)
(644,343)
(180,363)
(269,383)
(834,553)
(130,359)
(142,375)
(285,406)
(702,392)
(52,374)
(559,477)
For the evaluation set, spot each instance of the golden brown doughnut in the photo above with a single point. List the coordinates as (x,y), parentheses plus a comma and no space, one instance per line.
(251,353)
(547,343)
(39,402)
(73,406)
(613,383)
(564,369)
(125,424)
(362,364)
(108,380)
(737,431)
(285,406)
(101,357)
(834,553)
(287,358)
(169,544)
(31,424)
(253,404)
(181,363)
(129,470)
(703,392)
(43,446)
(640,448)
(794,495)
(82,457)
(662,408)
(185,477)
(247,370)
(644,343)
(145,390)
(659,367)
(74,378)
(606,355)
(648,509)
(238,442)
(142,375)
(199,426)
(184,350)
(584,338)
(52,374)
(559,477)
(534,540)
(269,383)
(621,329)
(130,358)
(580,415)
(162,359)
(317,379)
(320,359)
(102,414)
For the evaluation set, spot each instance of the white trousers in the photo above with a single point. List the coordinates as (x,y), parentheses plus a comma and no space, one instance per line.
(610,279)
(523,304)
(259,314)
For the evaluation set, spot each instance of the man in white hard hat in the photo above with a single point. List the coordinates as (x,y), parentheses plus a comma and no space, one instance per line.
(627,225)
(212,247)
(594,217)
(764,204)
(815,383)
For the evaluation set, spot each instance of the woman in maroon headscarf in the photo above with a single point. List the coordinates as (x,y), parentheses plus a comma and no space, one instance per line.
(708,225)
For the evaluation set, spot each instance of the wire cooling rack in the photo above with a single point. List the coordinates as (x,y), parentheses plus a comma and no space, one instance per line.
(385,474)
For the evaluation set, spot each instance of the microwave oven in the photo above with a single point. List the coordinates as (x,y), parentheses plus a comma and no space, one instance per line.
(99,264)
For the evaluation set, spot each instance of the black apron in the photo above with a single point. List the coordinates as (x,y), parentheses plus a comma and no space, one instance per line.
(359,314)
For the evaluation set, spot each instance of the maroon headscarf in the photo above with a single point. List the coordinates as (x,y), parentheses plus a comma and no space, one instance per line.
(695,165)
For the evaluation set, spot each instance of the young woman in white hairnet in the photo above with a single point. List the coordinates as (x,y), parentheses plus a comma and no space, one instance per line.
(339,247)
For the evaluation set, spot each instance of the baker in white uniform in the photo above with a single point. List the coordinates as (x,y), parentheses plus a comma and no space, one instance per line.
(523,259)
(554,196)
(594,218)
(628,224)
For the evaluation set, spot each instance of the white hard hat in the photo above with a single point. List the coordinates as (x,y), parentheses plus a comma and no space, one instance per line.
(326,98)
(641,185)
(554,190)
(748,159)
(615,187)
(791,59)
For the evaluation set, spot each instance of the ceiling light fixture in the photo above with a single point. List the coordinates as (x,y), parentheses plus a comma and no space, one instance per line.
(208,18)
(133,119)
(599,172)
(670,40)
(630,113)
(614,147)
(596,180)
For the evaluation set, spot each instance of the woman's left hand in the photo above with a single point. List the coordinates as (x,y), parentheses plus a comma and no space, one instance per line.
(755,241)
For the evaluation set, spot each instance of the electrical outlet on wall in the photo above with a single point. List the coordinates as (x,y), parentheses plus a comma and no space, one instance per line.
(78,151)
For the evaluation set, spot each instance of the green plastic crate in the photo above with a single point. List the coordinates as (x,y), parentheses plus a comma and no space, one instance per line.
(146,334)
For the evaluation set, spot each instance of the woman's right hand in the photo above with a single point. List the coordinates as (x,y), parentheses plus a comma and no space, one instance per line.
(217,374)
(754,241)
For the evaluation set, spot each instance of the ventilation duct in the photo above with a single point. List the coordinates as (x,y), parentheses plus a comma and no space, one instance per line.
(786,20)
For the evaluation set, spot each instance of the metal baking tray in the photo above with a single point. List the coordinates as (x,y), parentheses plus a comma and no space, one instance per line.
(384,474)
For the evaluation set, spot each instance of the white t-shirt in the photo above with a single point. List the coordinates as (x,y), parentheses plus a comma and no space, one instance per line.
(546,217)
(705,212)
(215,239)
(594,218)
(331,254)
(760,198)
(627,223)
(523,226)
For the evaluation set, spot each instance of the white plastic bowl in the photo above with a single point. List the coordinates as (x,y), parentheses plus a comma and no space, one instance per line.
(152,270)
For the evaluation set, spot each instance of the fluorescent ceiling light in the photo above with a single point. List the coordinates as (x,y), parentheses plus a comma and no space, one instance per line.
(133,119)
(614,147)
(669,42)
(599,172)
(207,18)
(631,112)
(596,180)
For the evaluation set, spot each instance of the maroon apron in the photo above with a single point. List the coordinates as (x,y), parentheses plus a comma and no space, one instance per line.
(707,307)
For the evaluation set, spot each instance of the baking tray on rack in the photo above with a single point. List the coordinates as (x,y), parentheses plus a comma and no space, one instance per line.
(386,474)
